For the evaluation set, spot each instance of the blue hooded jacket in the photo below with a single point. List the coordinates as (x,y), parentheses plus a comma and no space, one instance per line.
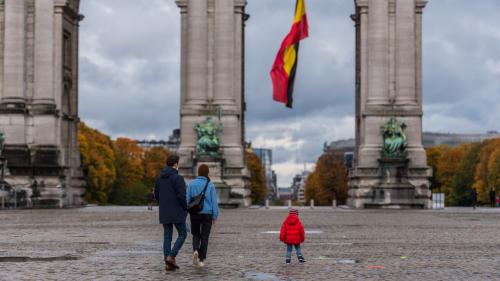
(210,205)
(170,191)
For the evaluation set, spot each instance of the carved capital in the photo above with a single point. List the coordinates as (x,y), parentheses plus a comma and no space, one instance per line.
(420,5)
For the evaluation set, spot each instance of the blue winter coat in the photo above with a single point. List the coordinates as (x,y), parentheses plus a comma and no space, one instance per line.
(170,191)
(210,205)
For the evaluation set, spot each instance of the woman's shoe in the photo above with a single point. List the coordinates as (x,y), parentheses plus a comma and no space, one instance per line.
(201,264)
(196,261)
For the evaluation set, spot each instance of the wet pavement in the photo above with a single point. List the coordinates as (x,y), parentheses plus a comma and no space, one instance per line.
(124,243)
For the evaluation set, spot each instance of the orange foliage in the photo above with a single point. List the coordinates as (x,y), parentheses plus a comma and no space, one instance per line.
(154,161)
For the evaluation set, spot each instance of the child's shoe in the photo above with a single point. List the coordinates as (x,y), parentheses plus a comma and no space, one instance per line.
(301,259)
(288,261)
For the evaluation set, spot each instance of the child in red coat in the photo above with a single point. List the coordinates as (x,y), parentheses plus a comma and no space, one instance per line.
(292,234)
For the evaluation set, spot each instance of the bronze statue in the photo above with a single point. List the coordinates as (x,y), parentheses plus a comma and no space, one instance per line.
(208,140)
(395,142)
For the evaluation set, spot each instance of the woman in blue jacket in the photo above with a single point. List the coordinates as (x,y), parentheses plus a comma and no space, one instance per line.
(201,223)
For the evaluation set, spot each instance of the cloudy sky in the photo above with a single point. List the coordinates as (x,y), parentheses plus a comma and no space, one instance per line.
(129,72)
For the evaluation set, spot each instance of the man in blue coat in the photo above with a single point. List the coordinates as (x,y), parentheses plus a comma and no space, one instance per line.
(170,191)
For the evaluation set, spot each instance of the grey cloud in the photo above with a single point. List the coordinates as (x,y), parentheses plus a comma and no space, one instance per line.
(130,64)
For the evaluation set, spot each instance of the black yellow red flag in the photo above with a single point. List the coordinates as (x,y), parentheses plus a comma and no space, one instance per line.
(285,64)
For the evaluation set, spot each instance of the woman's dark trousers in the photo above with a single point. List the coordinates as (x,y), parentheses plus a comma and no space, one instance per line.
(201,224)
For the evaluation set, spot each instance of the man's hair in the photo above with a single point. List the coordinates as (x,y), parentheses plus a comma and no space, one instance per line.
(172,160)
(203,170)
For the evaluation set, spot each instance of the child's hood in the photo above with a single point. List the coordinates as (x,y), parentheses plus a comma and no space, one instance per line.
(292,219)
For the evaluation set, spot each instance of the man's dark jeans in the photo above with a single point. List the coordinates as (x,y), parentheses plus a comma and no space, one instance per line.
(201,224)
(168,229)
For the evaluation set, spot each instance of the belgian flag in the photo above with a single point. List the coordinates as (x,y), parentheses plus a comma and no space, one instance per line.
(285,64)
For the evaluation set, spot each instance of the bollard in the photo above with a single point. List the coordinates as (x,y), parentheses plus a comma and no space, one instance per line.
(334,203)
(289,204)
(312,203)
(267,203)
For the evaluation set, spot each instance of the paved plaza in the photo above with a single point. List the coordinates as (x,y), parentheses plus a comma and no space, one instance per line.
(124,243)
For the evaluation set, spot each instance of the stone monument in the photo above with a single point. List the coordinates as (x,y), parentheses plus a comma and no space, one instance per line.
(212,34)
(39,97)
(390,167)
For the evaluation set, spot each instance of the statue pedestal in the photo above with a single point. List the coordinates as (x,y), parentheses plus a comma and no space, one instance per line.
(393,185)
(216,166)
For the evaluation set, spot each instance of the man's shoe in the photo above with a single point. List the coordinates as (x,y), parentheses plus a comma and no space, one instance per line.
(196,261)
(301,259)
(168,266)
(170,261)
(288,261)
(201,264)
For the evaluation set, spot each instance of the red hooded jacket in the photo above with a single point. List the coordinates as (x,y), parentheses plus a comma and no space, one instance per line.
(292,231)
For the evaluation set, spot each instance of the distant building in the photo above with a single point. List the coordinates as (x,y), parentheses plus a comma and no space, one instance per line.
(435,139)
(299,185)
(171,144)
(430,139)
(284,193)
(266,161)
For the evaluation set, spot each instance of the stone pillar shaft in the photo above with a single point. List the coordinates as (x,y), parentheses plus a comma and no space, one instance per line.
(197,53)
(378,58)
(224,50)
(405,52)
(14,70)
(44,52)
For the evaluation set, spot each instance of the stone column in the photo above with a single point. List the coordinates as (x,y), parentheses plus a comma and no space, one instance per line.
(389,77)
(197,53)
(183,72)
(224,91)
(378,55)
(405,52)
(44,52)
(14,70)
(58,56)
(418,63)
(363,75)
(2,44)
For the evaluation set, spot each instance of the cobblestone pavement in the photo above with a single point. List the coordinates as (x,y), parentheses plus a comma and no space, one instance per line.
(124,243)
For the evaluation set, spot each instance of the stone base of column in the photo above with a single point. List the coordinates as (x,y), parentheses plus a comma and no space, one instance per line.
(56,186)
(230,182)
(391,185)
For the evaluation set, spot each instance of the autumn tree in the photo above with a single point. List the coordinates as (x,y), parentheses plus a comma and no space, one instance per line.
(328,180)
(446,169)
(463,180)
(434,154)
(98,163)
(258,184)
(311,188)
(154,161)
(487,172)
(129,173)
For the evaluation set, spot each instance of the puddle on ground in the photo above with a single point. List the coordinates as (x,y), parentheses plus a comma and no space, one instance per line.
(39,259)
(261,276)
(337,261)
